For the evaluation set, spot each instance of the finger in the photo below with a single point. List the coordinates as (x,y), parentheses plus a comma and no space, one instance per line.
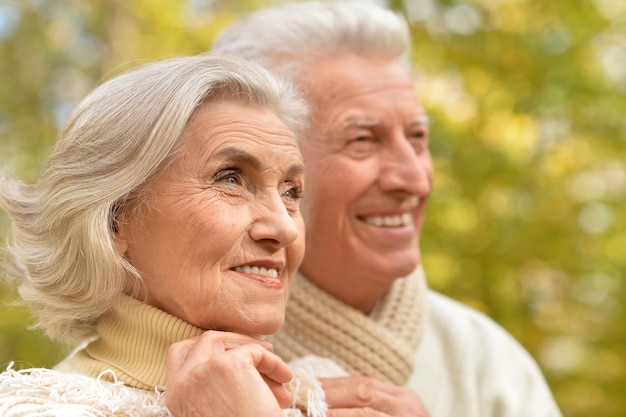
(282,395)
(212,342)
(355,412)
(177,354)
(230,340)
(353,391)
(369,393)
(269,364)
(189,352)
(274,371)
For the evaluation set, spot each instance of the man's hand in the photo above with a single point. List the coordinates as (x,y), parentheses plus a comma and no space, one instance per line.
(225,374)
(359,396)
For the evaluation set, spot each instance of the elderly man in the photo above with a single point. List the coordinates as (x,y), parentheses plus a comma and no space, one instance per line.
(360,297)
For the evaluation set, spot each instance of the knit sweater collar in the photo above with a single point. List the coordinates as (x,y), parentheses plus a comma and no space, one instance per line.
(132,342)
(380,344)
(131,348)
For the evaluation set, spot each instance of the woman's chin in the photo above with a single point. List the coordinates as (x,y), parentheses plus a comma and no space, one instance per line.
(258,329)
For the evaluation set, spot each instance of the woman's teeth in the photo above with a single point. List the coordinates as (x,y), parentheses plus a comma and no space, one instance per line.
(258,270)
(390,221)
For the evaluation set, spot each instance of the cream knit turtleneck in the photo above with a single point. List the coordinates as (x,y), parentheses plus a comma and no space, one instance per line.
(381,344)
(132,342)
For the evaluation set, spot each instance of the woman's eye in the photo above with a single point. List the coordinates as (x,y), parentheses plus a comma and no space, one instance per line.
(228,176)
(293,193)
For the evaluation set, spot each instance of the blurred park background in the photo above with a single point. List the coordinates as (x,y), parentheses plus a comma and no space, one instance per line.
(528,106)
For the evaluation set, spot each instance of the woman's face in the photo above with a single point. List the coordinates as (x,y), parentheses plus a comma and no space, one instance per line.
(221,234)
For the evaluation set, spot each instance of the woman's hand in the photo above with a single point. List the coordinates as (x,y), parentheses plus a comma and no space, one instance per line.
(225,374)
(356,396)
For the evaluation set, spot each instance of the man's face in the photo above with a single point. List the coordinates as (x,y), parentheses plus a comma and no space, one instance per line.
(369,175)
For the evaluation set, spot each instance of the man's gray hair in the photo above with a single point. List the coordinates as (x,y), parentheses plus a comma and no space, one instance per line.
(286,38)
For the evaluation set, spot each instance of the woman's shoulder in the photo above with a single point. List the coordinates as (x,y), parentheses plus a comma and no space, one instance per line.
(38,391)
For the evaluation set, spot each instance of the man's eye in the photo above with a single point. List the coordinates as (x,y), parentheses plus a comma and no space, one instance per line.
(419,141)
(419,134)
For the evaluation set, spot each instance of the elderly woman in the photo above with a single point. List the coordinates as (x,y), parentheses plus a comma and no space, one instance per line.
(166,229)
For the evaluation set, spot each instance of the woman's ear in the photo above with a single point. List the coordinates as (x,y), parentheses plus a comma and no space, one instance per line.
(119,231)
(120,242)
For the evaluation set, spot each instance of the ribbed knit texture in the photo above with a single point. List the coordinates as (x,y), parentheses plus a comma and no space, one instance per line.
(381,344)
(132,342)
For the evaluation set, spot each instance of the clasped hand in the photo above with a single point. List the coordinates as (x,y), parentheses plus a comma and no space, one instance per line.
(225,374)
(360,396)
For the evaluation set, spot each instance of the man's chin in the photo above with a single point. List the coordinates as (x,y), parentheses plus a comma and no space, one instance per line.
(391,268)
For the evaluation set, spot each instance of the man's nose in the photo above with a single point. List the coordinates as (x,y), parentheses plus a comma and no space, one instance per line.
(404,169)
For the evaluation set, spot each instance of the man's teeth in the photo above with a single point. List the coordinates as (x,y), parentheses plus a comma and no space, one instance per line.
(258,270)
(390,221)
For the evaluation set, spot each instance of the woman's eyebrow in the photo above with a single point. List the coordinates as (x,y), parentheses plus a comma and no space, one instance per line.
(239,155)
(295,169)
(252,161)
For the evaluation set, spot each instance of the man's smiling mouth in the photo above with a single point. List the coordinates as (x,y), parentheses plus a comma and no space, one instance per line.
(396,220)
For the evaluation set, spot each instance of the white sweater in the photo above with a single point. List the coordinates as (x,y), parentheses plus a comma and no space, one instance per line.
(469,366)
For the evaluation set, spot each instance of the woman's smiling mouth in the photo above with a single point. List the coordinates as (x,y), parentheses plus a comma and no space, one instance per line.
(258,270)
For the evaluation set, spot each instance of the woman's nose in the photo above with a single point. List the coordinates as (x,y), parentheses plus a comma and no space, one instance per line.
(274,223)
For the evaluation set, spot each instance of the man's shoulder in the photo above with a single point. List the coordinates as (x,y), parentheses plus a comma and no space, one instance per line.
(463,330)
(483,367)
(453,317)
(439,302)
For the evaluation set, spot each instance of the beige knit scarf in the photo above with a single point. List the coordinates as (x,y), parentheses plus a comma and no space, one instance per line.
(381,344)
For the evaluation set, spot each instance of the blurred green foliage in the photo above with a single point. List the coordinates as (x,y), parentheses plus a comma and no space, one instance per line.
(527,100)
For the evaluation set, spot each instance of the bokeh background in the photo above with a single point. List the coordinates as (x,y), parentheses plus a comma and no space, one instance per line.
(528,106)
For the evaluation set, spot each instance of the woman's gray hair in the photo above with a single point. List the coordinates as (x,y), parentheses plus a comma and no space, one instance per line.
(287,38)
(62,253)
